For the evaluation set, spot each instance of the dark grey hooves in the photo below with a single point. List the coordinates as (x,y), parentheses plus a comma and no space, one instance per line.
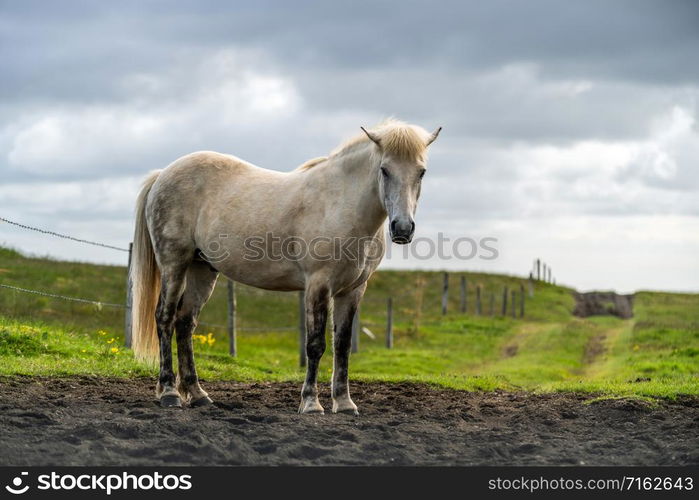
(205,401)
(170,402)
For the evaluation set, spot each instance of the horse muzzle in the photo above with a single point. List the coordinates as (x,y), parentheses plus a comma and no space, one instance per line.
(402,231)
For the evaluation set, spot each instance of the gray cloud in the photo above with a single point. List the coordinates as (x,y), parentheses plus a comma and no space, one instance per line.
(627,40)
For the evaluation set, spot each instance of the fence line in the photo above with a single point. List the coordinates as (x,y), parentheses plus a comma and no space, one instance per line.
(250,328)
(232,327)
(536,273)
(65,236)
(63,297)
(123,306)
(355,323)
(266,329)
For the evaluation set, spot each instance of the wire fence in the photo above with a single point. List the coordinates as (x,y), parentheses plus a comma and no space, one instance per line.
(64,236)
(63,297)
(409,304)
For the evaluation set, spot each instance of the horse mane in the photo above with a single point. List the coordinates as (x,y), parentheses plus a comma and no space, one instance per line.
(397,138)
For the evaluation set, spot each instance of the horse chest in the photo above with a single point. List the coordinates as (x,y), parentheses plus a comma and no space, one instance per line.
(350,277)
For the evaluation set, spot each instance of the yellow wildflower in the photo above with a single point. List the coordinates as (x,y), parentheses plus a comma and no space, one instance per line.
(110,341)
(114,350)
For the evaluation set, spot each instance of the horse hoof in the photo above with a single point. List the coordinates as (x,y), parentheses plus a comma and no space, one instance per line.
(348,411)
(346,406)
(205,401)
(311,408)
(170,402)
(312,411)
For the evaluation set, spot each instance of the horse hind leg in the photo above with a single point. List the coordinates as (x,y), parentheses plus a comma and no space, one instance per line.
(172,287)
(201,279)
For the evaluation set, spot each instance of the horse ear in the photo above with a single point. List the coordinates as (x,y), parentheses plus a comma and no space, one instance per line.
(433,136)
(371,136)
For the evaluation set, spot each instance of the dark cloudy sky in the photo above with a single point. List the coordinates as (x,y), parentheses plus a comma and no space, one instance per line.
(570,128)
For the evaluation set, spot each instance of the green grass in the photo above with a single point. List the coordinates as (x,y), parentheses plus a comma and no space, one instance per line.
(34,348)
(653,355)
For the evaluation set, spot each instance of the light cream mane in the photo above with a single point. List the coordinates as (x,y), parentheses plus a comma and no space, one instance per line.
(397,138)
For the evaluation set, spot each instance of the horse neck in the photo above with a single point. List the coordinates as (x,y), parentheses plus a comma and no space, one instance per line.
(356,174)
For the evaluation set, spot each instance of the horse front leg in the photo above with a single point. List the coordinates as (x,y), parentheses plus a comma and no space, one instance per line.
(345,307)
(317,299)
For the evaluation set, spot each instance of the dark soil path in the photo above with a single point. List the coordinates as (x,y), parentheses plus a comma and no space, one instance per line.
(91,421)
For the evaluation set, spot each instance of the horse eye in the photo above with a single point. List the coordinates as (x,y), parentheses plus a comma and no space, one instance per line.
(422,173)
(384,172)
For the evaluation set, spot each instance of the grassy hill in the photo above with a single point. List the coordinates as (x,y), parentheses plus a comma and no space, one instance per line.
(654,354)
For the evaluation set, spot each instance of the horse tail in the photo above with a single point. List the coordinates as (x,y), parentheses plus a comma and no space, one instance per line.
(145,279)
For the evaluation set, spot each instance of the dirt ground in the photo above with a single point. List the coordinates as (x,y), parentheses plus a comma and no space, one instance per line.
(80,421)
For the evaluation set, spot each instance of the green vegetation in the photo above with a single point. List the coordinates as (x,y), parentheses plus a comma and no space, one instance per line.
(653,355)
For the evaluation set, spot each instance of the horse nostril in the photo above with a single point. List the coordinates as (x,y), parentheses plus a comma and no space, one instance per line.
(412,227)
(393,226)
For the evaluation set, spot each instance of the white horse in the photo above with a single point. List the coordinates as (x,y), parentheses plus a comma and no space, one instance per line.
(209,213)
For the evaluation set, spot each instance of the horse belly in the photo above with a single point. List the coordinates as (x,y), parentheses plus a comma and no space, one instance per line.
(266,274)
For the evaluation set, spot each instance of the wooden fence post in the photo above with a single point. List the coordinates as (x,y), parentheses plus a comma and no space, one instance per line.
(538,269)
(355,331)
(302,329)
(545,273)
(232,341)
(514,303)
(389,323)
(521,301)
(445,294)
(128,327)
(504,301)
(463,296)
(492,304)
(478,300)
(530,285)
